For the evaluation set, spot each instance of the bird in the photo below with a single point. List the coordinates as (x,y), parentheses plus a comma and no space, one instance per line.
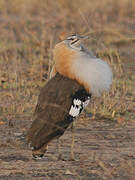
(76,76)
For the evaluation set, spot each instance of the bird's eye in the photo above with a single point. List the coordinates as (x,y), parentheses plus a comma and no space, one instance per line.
(71,39)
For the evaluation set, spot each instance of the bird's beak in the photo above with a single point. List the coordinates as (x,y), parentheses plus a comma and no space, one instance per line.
(82,37)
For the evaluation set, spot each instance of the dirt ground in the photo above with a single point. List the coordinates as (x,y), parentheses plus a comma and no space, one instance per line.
(103,150)
(105,136)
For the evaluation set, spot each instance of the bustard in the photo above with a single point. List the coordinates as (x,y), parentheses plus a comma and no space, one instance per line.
(77,74)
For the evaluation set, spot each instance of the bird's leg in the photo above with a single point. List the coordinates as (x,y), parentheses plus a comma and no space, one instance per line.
(73,141)
(58,149)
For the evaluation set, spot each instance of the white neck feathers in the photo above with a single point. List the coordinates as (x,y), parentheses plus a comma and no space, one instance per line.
(93,72)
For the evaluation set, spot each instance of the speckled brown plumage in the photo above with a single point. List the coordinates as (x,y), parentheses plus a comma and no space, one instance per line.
(53,106)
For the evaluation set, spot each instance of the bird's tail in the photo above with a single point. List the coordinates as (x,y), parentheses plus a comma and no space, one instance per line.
(39,153)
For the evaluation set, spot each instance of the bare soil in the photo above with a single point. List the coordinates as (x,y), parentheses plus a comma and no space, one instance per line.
(104,149)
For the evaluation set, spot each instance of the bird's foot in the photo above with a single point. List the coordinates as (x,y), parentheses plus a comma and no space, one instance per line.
(72,157)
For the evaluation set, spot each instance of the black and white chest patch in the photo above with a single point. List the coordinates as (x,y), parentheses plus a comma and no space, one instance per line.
(80,100)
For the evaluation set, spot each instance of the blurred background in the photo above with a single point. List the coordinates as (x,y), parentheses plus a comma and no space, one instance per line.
(29,30)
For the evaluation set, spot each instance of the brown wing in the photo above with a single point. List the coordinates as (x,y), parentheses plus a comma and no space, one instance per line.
(53,106)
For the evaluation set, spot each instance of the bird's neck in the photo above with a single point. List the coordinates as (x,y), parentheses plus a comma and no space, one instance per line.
(64,58)
(93,73)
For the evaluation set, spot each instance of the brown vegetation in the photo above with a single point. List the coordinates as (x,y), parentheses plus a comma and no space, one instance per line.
(29,29)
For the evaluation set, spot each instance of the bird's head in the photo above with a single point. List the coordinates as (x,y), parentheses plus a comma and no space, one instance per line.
(65,53)
(74,41)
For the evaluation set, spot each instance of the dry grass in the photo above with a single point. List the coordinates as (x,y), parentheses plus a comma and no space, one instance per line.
(29,29)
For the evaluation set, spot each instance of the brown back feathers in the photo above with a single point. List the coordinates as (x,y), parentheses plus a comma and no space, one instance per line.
(53,106)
